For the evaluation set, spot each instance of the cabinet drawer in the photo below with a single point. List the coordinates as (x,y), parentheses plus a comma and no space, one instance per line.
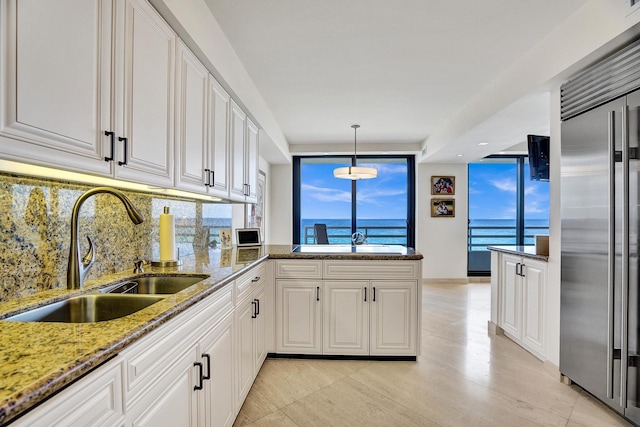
(298,269)
(371,269)
(149,357)
(245,283)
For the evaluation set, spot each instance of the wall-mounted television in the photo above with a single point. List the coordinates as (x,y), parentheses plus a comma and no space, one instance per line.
(538,157)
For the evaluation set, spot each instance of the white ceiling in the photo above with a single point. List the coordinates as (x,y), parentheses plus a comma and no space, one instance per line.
(400,68)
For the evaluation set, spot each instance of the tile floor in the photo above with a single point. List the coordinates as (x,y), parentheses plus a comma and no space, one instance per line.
(465,377)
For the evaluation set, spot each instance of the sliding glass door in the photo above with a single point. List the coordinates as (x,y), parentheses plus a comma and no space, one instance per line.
(505,208)
(381,208)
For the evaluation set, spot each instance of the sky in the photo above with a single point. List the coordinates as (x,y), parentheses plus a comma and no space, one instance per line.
(326,197)
(492,193)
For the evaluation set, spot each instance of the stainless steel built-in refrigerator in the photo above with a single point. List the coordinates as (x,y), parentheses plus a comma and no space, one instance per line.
(599,335)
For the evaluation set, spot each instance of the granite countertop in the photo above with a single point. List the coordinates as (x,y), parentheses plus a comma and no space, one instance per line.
(528,251)
(40,358)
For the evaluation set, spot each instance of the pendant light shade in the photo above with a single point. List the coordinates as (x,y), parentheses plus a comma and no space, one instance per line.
(355,172)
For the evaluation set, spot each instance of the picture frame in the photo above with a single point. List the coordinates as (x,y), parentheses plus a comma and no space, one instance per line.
(254,213)
(225,238)
(443,208)
(443,185)
(248,237)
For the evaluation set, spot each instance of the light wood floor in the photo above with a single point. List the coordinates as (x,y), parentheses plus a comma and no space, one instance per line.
(465,377)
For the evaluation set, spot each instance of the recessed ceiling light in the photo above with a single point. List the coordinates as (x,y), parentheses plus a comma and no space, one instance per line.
(502,152)
(483,143)
(460,155)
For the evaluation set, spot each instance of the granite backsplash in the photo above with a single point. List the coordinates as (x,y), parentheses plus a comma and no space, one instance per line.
(35,217)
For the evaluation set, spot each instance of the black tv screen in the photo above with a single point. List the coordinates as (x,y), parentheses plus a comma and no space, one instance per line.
(538,157)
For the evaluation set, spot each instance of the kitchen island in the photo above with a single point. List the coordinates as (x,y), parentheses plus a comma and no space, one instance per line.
(42,358)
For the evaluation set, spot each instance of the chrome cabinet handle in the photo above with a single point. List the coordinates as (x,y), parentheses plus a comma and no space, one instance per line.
(207,177)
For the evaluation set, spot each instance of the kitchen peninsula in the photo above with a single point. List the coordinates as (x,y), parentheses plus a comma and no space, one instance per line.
(519,307)
(248,306)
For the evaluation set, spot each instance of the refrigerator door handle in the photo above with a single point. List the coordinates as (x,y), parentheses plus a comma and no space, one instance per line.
(624,362)
(612,254)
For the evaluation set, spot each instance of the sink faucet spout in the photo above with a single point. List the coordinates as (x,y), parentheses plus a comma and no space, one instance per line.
(76,268)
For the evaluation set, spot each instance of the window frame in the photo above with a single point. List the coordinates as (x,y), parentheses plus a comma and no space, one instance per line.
(411,185)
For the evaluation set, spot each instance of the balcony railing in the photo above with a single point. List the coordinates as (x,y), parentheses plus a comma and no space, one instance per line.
(482,236)
(391,235)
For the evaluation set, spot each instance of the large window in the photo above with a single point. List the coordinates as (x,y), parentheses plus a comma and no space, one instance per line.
(382,208)
(505,208)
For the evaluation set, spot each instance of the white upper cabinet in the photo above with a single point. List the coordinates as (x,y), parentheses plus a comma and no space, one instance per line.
(252,164)
(245,152)
(219,154)
(238,125)
(146,132)
(89,87)
(192,85)
(57,84)
(105,87)
(202,128)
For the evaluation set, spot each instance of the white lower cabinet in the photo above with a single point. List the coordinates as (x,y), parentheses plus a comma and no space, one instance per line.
(95,400)
(194,370)
(340,308)
(522,288)
(298,316)
(394,318)
(345,319)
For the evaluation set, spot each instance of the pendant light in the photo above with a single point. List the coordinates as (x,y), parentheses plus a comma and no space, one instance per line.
(355,172)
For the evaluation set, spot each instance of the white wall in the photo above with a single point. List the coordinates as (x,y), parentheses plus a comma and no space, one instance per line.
(281,205)
(442,241)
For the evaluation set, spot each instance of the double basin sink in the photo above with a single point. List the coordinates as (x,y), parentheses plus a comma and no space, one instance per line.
(113,302)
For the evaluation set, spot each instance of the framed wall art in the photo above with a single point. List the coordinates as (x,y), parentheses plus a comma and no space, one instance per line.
(443,208)
(443,185)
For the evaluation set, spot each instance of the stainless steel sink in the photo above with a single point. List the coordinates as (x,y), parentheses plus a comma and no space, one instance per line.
(155,285)
(88,308)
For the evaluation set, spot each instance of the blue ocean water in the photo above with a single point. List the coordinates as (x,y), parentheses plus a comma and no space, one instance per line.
(496,232)
(379,231)
(482,232)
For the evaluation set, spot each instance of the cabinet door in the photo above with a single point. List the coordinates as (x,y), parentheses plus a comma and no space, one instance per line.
(346,317)
(173,402)
(238,188)
(510,290)
(147,116)
(191,121)
(533,293)
(394,317)
(252,165)
(219,105)
(217,357)
(259,328)
(298,316)
(245,315)
(95,400)
(55,105)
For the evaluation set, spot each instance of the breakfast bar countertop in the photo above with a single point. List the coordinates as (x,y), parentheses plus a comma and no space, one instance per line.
(41,358)
(528,251)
